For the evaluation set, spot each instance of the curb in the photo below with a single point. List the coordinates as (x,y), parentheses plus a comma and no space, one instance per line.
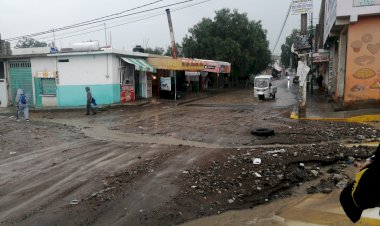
(357,119)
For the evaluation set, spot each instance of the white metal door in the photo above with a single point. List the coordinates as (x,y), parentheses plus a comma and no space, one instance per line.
(3,92)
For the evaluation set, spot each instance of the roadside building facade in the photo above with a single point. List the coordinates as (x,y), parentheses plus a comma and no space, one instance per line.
(349,31)
(59,79)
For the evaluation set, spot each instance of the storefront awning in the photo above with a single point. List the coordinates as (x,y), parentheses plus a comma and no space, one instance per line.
(140,64)
(180,64)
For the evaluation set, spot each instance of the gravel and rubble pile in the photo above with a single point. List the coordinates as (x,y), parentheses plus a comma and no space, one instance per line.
(243,178)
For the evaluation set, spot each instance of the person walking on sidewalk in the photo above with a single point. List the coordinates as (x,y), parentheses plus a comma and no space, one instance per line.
(22,104)
(89,101)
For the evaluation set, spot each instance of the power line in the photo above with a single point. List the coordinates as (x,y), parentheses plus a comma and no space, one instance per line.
(118,25)
(283,25)
(85,22)
(97,21)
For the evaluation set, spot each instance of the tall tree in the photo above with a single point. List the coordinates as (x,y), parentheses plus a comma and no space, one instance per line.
(286,53)
(156,50)
(26,42)
(231,37)
(179,50)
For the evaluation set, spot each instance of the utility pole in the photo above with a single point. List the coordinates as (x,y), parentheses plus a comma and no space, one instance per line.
(174,50)
(174,47)
(303,83)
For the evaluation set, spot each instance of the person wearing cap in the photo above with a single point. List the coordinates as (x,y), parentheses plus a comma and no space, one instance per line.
(364,192)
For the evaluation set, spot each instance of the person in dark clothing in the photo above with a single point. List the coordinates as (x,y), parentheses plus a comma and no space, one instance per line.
(363,193)
(89,101)
(319,81)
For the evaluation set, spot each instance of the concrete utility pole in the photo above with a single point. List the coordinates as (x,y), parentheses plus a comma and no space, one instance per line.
(174,50)
(302,87)
(174,47)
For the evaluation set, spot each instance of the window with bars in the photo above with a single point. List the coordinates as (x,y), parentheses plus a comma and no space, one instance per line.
(48,86)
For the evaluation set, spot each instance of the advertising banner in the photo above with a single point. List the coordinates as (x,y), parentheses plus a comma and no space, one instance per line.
(127,93)
(166,83)
(302,72)
(302,6)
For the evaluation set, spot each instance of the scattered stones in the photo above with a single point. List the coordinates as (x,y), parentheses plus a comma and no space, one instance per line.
(315,173)
(342,184)
(256,161)
(74,202)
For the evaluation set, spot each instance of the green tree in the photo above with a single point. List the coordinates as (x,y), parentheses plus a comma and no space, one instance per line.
(26,42)
(231,37)
(156,50)
(286,53)
(179,51)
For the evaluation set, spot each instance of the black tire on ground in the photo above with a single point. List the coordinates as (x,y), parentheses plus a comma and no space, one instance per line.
(274,96)
(262,132)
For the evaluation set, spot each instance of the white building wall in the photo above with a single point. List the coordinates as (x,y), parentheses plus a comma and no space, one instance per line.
(347,8)
(85,70)
(43,64)
(115,69)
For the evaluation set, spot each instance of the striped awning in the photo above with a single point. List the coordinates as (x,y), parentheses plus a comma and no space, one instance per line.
(140,64)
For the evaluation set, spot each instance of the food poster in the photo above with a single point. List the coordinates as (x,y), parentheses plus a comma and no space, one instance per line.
(363,60)
(127,93)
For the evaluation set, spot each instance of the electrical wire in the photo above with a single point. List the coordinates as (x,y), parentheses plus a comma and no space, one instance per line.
(97,21)
(283,25)
(118,25)
(85,22)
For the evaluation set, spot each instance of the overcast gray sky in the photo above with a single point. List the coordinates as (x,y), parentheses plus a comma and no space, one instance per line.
(22,17)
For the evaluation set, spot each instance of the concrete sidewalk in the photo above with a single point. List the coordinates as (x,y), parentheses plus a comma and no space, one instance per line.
(319,108)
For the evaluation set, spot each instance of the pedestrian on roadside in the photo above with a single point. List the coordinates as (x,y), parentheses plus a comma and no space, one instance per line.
(89,101)
(363,193)
(22,104)
(320,81)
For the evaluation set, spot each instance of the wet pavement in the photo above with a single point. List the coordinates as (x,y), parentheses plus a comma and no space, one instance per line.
(167,162)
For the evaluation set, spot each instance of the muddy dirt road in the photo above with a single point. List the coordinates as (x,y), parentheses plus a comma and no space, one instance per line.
(163,163)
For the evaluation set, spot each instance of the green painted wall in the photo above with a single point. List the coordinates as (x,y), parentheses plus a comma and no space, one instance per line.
(38,91)
(71,96)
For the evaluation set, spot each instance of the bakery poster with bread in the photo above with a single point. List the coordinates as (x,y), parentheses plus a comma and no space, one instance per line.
(363,61)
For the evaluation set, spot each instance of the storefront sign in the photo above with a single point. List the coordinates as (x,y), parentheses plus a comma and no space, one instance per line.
(358,3)
(302,6)
(319,58)
(166,83)
(176,64)
(46,74)
(330,17)
(210,67)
